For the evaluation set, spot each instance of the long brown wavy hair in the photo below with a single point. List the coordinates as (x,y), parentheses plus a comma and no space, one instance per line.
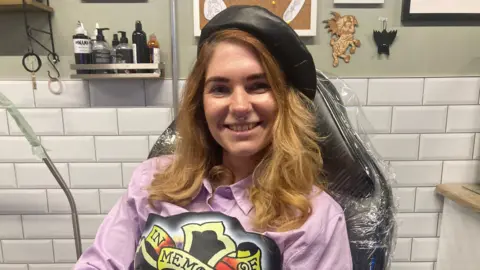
(282,181)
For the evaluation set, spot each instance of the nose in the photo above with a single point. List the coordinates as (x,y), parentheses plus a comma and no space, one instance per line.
(240,105)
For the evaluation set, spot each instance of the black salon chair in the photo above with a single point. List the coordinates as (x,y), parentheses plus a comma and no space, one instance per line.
(355,177)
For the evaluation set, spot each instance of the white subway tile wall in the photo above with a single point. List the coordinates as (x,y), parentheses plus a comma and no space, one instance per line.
(98,132)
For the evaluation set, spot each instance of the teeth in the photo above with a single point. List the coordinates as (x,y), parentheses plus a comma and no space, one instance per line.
(241,127)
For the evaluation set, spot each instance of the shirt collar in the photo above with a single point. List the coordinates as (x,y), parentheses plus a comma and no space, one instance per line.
(239,191)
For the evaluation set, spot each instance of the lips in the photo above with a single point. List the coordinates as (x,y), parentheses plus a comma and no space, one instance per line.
(242,127)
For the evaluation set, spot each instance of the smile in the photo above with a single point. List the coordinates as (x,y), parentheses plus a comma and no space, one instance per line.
(243,127)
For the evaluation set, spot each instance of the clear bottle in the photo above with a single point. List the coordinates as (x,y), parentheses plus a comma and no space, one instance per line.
(101,52)
(124,52)
(154,51)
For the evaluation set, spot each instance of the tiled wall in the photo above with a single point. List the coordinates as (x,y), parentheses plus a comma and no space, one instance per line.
(98,132)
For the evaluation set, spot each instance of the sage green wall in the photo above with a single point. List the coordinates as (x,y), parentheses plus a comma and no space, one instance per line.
(432,51)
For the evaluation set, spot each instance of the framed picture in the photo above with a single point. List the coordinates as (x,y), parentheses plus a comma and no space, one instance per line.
(358,1)
(300,14)
(441,10)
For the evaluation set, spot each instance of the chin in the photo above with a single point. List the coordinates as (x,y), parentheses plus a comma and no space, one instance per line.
(244,150)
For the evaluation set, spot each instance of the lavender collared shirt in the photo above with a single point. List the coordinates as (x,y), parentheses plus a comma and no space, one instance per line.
(212,232)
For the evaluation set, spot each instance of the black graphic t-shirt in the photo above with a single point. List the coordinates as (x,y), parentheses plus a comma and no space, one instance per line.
(203,241)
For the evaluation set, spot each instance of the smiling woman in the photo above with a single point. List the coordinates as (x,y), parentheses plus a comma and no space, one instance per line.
(242,190)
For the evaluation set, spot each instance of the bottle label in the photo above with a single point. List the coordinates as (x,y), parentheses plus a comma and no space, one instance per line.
(82,45)
(101,57)
(154,55)
(134,49)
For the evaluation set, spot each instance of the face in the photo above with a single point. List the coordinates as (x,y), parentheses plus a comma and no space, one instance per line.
(239,105)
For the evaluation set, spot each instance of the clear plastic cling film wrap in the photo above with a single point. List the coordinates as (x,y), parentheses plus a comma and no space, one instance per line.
(37,148)
(354,174)
(358,178)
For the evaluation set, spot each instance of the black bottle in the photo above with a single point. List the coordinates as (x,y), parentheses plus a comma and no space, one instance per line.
(139,41)
(82,48)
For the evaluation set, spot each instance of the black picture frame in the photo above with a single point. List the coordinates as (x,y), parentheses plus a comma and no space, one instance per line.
(437,17)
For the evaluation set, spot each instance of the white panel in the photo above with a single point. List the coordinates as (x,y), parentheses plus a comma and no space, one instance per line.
(159,93)
(395,91)
(412,266)
(419,119)
(14,267)
(446,146)
(417,224)
(11,227)
(117,93)
(448,91)
(396,146)
(37,175)
(7,176)
(90,121)
(417,173)
(90,225)
(403,249)
(70,148)
(121,148)
(463,119)
(75,94)
(358,87)
(86,200)
(96,175)
(427,200)
(476,149)
(42,121)
(65,250)
(16,149)
(142,121)
(379,119)
(22,201)
(462,171)
(57,266)
(19,92)
(405,198)
(424,249)
(444,6)
(27,251)
(47,226)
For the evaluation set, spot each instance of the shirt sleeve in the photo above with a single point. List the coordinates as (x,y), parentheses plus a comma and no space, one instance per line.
(330,250)
(116,239)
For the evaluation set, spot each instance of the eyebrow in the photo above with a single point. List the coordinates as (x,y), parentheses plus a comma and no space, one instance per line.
(225,80)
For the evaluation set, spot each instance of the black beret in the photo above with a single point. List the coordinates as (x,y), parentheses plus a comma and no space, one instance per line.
(281,40)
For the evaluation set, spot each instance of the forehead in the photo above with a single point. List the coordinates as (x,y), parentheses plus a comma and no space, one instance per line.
(233,60)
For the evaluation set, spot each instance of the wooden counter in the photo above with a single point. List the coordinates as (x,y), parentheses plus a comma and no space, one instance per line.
(460,194)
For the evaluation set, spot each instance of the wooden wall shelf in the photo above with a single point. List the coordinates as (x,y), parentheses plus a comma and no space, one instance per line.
(460,194)
(17,5)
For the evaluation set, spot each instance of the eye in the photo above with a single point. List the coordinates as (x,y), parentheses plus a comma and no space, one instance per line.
(219,89)
(259,87)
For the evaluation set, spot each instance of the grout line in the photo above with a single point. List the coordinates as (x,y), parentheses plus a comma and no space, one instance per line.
(23,227)
(64,131)
(392,109)
(100,201)
(53,251)
(118,122)
(423,91)
(1,252)
(415,201)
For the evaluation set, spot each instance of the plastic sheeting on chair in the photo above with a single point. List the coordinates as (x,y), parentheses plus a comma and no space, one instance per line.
(357,178)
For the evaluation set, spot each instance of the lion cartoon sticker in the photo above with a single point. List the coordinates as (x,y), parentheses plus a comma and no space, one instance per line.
(344,28)
(203,241)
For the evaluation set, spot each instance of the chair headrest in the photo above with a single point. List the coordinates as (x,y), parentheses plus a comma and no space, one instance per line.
(281,40)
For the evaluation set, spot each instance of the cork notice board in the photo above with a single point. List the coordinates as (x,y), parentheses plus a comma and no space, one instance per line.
(301,14)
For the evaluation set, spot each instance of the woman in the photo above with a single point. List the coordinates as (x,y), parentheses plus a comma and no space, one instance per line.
(241,190)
